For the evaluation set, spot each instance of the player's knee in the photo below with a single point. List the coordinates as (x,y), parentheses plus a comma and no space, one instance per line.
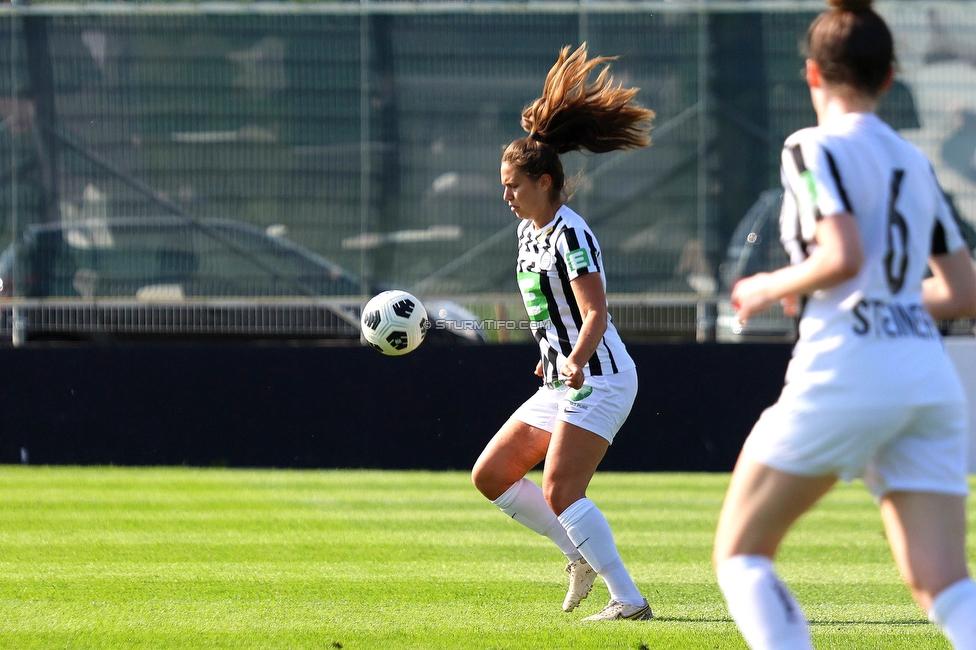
(479,477)
(922,596)
(488,481)
(723,549)
(719,555)
(926,586)
(560,496)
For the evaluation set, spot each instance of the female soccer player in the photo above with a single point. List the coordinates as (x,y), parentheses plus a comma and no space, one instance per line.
(870,391)
(589,379)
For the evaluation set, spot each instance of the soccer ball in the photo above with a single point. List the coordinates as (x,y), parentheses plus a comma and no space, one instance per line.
(394,322)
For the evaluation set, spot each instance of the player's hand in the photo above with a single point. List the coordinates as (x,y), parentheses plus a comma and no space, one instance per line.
(791,305)
(751,296)
(538,369)
(573,375)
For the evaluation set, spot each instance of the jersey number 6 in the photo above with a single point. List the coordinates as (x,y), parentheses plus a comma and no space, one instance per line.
(896,259)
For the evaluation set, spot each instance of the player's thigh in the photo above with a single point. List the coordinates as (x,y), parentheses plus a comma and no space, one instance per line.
(760,506)
(920,481)
(513,451)
(927,535)
(573,456)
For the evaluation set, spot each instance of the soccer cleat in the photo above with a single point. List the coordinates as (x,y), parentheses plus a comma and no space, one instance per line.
(616,609)
(581,579)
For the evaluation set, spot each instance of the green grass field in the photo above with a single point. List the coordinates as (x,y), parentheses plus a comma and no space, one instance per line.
(193,558)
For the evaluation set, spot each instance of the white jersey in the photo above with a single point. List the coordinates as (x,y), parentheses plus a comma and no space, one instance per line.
(549,259)
(869,340)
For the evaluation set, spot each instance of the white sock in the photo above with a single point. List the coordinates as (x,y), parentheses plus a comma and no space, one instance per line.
(954,611)
(589,530)
(766,612)
(525,503)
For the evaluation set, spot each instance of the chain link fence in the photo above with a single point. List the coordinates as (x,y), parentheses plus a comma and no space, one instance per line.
(171,169)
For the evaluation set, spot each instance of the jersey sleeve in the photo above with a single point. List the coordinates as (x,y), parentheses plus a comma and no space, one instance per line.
(946,235)
(789,227)
(811,176)
(578,252)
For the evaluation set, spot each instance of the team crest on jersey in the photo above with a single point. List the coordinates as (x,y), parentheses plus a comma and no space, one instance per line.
(545,261)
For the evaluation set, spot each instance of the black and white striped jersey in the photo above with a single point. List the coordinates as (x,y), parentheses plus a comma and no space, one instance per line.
(868,340)
(549,258)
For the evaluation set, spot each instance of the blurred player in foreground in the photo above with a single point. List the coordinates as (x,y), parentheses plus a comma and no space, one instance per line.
(589,379)
(870,391)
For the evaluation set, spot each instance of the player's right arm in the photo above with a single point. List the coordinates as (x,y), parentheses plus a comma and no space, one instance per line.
(820,232)
(838,257)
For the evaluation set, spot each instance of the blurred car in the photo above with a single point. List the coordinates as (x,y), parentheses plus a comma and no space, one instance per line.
(164,258)
(754,247)
(143,262)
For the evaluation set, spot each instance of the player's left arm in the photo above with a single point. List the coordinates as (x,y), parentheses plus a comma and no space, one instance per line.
(951,291)
(592,301)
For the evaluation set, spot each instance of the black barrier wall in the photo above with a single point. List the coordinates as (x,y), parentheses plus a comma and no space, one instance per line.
(329,407)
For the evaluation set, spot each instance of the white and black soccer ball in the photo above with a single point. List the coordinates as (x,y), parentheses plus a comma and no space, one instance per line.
(394,322)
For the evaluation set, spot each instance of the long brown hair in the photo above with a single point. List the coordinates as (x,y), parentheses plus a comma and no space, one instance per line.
(852,45)
(573,115)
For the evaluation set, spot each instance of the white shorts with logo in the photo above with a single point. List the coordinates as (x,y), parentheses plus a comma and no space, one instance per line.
(600,406)
(893,448)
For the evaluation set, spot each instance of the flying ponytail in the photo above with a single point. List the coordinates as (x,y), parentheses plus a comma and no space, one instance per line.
(573,115)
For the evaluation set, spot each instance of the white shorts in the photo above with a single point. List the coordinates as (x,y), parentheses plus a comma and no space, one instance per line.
(600,406)
(893,448)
